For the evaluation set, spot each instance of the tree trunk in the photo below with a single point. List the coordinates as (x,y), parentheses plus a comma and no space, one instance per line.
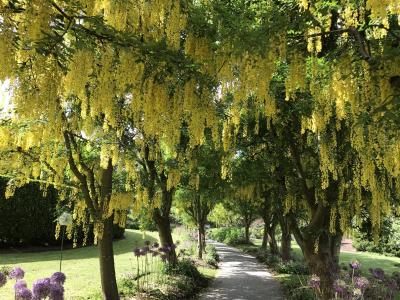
(247,233)
(286,240)
(107,267)
(201,240)
(164,231)
(273,245)
(265,236)
(324,263)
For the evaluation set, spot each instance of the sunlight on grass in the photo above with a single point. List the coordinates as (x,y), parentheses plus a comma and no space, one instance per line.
(80,265)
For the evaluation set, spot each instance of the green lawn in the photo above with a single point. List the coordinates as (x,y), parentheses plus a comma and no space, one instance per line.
(81,266)
(367,259)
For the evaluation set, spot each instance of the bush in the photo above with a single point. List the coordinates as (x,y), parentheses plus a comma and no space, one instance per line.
(28,218)
(212,257)
(184,267)
(388,240)
(295,289)
(228,235)
(293,267)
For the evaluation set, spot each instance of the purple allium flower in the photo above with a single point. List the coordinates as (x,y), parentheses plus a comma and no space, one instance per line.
(3,279)
(147,243)
(361,283)
(136,252)
(154,253)
(145,249)
(23,294)
(56,292)
(314,282)
(58,277)
(378,273)
(156,245)
(355,265)
(17,273)
(392,284)
(20,284)
(339,286)
(41,288)
(163,257)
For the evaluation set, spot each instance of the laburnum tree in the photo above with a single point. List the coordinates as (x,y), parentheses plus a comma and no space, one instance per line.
(201,187)
(85,78)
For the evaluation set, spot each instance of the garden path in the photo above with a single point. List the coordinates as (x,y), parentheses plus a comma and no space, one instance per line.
(241,277)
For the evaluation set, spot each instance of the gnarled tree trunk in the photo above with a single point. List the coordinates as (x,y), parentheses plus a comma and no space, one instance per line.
(273,245)
(163,224)
(265,236)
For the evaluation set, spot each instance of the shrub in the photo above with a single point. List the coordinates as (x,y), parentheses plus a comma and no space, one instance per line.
(388,240)
(184,267)
(212,257)
(293,267)
(228,235)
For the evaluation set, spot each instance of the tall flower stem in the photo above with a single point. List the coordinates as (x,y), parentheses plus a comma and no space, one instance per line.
(62,245)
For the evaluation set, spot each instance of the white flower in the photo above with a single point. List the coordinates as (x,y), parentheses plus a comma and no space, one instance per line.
(65,219)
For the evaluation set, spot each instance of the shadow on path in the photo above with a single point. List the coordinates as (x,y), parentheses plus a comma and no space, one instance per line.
(241,277)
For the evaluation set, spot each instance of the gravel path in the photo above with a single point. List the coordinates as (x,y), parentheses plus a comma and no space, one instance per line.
(241,277)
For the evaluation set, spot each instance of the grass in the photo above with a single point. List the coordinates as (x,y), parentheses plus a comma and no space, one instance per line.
(368,260)
(80,265)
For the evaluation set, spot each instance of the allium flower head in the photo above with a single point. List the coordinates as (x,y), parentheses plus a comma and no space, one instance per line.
(58,277)
(156,245)
(56,292)
(23,294)
(3,279)
(314,282)
(339,286)
(17,273)
(136,252)
(41,288)
(154,253)
(378,273)
(20,284)
(355,265)
(361,283)
(147,243)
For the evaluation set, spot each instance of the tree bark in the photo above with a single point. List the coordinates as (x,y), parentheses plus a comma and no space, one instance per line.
(265,236)
(273,245)
(201,240)
(324,263)
(247,233)
(107,266)
(164,231)
(286,240)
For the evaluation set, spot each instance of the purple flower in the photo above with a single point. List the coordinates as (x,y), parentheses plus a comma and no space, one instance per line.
(3,279)
(136,252)
(361,283)
(147,243)
(17,273)
(145,249)
(56,292)
(163,257)
(378,273)
(156,245)
(23,294)
(355,265)
(314,282)
(58,277)
(20,284)
(339,286)
(41,288)
(154,253)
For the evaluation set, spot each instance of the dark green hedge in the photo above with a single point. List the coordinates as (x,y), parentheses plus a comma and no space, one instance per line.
(28,218)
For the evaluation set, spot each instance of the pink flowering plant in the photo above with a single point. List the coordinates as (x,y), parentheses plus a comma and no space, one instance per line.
(51,288)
